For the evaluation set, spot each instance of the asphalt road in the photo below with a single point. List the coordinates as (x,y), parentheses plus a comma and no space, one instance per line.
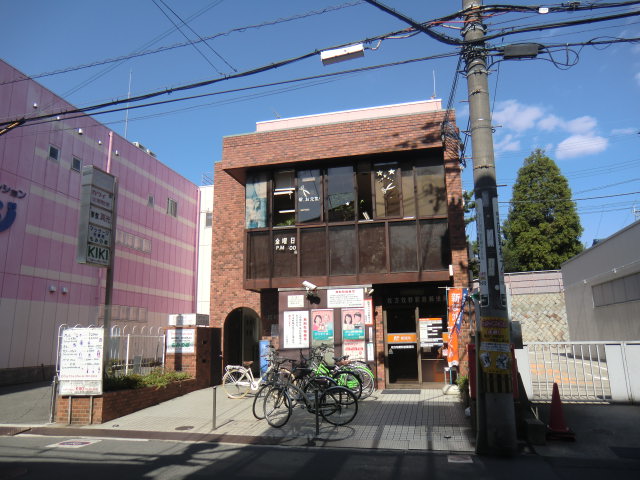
(29,457)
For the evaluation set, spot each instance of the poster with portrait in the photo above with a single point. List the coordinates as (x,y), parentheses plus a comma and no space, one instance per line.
(355,349)
(353,323)
(321,327)
(296,329)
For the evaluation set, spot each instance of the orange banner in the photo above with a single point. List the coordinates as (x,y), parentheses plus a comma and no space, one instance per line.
(455,300)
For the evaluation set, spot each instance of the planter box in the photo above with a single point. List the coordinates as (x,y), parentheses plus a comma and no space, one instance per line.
(110,405)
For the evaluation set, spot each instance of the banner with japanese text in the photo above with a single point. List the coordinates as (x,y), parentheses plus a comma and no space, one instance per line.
(456,298)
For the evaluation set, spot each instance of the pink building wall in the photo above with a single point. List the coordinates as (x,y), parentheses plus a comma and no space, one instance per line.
(155,261)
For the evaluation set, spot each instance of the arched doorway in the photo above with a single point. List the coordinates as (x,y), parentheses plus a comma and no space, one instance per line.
(241,335)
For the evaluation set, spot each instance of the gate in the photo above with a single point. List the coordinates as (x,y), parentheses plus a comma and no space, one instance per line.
(596,372)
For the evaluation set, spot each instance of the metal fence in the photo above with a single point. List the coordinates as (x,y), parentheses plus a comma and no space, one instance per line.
(135,350)
(584,371)
(131,349)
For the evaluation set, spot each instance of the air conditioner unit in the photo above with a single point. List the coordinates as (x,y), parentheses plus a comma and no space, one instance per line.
(139,145)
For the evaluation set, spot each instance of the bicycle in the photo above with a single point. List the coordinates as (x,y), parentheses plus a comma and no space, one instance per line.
(344,377)
(239,379)
(337,405)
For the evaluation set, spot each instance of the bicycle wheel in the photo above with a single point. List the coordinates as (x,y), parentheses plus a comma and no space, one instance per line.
(277,407)
(350,380)
(258,401)
(338,405)
(236,383)
(368,383)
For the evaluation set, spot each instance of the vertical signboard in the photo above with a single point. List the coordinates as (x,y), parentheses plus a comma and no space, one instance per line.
(81,352)
(456,297)
(96,221)
(495,349)
(296,329)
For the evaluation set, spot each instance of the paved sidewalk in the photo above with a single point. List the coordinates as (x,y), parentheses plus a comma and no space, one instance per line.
(390,419)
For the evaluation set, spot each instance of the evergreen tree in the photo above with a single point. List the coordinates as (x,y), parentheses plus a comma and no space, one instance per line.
(543,228)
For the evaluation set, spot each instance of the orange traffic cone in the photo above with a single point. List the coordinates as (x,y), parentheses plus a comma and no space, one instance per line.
(557,429)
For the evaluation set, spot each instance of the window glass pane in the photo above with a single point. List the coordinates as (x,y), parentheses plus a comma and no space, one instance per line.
(257,259)
(365,194)
(434,245)
(208,222)
(408,197)
(309,196)
(256,201)
(76,164)
(596,290)
(403,247)
(342,250)
(284,200)
(632,286)
(313,249)
(432,194)
(372,248)
(618,291)
(341,194)
(387,189)
(285,258)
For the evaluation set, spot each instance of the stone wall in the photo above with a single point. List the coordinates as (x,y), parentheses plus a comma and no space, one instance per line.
(537,302)
(542,316)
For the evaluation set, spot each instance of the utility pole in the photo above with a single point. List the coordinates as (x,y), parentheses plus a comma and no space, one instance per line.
(496,434)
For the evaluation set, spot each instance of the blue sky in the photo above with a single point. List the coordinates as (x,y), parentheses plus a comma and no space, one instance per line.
(585,116)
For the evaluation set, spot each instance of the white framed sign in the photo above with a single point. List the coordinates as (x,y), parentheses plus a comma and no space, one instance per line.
(181,340)
(295,301)
(81,357)
(345,298)
(296,329)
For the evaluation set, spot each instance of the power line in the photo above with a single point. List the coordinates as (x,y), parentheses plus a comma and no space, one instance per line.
(141,53)
(81,112)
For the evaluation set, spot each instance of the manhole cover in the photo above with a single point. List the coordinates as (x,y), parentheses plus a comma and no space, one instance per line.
(185,427)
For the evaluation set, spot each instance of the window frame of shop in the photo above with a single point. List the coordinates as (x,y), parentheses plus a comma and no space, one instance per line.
(308,255)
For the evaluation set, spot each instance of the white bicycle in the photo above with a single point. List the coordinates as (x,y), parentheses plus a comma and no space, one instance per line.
(239,379)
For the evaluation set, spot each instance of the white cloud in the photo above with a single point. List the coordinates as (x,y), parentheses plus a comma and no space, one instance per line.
(507,144)
(637,77)
(580,145)
(581,125)
(623,131)
(550,123)
(515,116)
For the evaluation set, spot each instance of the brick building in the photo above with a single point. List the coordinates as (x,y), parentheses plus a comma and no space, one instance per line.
(365,206)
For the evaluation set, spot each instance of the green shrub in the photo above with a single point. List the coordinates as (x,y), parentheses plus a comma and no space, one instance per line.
(157,378)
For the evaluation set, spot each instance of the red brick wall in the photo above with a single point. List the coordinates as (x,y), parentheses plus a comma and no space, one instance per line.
(227,260)
(119,403)
(391,134)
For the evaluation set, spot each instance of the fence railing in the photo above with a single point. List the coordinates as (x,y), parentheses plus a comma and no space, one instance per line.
(584,371)
(131,349)
(135,350)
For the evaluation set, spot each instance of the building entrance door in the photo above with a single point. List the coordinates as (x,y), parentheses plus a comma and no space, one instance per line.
(241,329)
(401,343)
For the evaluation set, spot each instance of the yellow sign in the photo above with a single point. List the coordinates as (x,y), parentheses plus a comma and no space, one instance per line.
(495,349)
